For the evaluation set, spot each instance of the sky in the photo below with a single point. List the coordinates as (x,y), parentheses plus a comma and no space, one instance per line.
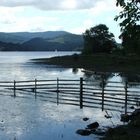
(74,16)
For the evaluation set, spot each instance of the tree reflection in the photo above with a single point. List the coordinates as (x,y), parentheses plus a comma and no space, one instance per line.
(132,79)
(98,77)
(75,70)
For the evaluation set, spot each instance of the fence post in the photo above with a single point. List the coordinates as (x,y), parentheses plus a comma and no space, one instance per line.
(126,86)
(35,88)
(103,87)
(14,88)
(57,90)
(81,92)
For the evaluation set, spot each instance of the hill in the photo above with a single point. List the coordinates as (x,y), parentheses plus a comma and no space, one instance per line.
(9,46)
(65,42)
(20,37)
(40,41)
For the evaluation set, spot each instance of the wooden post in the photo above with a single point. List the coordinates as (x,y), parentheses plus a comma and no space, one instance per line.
(103,87)
(81,92)
(57,90)
(126,86)
(14,88)
(35,88)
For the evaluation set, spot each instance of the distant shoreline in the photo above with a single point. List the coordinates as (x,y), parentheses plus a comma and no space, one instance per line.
(96,62)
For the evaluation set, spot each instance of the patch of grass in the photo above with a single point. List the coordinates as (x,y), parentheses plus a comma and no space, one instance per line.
(57,40)
(98,62)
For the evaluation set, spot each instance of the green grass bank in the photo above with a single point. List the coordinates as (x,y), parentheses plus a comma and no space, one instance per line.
(96,62)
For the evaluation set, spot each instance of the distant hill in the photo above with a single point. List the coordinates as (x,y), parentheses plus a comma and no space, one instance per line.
(20,37)
(12,38)
(9,46)
(40,41)
(61,43)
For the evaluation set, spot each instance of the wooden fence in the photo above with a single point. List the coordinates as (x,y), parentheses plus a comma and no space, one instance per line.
(107,95)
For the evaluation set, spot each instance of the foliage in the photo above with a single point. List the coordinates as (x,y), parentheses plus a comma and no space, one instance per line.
(130,13)
(131,40)
(130,28)
(98,39)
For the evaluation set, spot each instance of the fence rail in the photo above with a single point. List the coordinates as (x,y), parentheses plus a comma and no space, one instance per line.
(108,95)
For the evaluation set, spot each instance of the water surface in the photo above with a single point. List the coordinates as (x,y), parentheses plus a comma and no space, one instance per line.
(17,66)
(34,119)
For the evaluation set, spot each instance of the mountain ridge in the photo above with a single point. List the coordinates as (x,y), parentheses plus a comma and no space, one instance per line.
(40,41)
(20,37)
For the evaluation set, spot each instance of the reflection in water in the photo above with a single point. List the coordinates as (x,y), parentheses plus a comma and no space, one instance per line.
(29,71)
(130,78)
(75,70)
(17,66)
(28,119)
(97,77)
(107,76)
(120,86)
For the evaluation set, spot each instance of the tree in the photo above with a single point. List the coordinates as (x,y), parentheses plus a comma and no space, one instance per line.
(131,40)
(130,28)
(130,13)
(98,39)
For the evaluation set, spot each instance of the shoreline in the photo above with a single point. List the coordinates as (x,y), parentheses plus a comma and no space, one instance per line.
(104,63)
(128,131)
(97,62)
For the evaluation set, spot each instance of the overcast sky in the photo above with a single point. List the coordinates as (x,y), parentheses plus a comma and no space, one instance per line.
(74,16)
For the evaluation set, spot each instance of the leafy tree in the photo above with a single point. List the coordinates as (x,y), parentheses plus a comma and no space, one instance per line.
(98,39)
(130,13)
(131,40)
(130,28)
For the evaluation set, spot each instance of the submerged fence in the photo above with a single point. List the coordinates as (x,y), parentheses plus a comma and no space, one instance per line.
(107,95)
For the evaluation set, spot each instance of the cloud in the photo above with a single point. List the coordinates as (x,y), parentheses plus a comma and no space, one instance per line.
(15,3)
(12,23)
(103,7)
(51,4)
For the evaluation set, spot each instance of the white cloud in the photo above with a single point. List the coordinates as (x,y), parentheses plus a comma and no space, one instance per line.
(103,7)
(9,10)
(15,3)
(8,15)
(51,5)
(11,23)
(69,4)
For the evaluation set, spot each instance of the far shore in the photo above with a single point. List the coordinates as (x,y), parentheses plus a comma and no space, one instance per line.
(96,62)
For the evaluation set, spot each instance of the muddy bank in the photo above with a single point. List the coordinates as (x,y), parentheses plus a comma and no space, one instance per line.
(131,131)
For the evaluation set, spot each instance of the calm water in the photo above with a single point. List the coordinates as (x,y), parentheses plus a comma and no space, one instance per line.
(17,66)
(30,119)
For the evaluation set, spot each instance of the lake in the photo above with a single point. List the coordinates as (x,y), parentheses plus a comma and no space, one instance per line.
(34,119)
(17,66)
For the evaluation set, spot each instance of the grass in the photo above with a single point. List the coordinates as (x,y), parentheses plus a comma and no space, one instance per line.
(96,62)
